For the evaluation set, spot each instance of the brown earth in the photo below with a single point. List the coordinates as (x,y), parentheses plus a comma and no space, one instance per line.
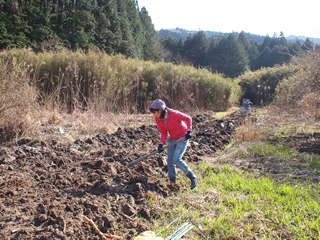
(46,188)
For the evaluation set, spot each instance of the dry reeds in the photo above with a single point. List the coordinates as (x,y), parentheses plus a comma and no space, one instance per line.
(246,131)
(40,91)
(76,79)
(17,100)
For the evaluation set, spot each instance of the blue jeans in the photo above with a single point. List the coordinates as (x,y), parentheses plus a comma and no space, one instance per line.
(174,159)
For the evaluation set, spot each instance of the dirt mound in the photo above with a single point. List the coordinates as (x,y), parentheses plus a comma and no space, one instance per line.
(47,187)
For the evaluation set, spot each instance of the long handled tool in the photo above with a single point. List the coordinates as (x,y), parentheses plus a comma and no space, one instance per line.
(150,154)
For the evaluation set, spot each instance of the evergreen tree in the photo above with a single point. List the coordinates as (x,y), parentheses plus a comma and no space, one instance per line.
(196,48)
(295,48)
(104,37)
(279,54)
(243,40)
(37,17)
(282,40)
(12,27)
(116,26)
(127,45)
(170,46)
(114,33)
(152,47)
(307,45)
(266,43)
(231,57)
(136,26)
(253,53)
(264,58)
(211,52)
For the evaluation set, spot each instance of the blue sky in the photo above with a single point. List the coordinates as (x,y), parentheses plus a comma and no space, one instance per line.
(300,18)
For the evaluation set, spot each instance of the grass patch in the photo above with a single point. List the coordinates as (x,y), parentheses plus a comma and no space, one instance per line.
(315,162)
(222,114)
(265,149)
(257,188)
(231,204)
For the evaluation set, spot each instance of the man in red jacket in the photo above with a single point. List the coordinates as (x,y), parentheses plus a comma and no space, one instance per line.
(178,125)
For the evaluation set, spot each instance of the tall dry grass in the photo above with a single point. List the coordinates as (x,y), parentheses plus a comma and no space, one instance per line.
(81,92)
(247,131)
(77,79)
(17,100)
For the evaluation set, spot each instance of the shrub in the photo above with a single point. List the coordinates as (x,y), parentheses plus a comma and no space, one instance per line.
(302,89)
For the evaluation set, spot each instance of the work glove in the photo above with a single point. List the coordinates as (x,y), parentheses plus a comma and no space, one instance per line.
(188,135)
(160,148)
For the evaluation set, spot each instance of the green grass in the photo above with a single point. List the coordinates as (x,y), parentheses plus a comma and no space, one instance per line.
(315,162)
(222,114)
(277,197)
(279,152)
(230,204)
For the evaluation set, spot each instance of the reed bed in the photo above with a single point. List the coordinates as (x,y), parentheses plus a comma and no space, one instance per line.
(75,81)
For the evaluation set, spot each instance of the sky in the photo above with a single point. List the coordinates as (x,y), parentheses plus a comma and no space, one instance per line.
(299,18)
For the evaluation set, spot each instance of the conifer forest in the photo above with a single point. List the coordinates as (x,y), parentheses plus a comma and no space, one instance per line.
(122,27)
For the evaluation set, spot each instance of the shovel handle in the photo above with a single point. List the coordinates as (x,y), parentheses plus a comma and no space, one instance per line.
(154,152)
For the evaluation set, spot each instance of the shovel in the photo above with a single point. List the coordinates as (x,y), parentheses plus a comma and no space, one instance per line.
(150,154)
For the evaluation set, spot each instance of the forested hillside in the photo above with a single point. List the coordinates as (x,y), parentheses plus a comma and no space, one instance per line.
(116,26)
(121,27)
(183,34)
(232,54)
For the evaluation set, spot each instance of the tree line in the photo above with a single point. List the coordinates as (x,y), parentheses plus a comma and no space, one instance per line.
(114,26)
(232,54)
(121,27)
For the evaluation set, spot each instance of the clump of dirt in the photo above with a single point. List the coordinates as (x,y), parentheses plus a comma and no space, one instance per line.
(47,187)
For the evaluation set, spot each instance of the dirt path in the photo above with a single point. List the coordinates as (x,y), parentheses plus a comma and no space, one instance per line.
(46,187)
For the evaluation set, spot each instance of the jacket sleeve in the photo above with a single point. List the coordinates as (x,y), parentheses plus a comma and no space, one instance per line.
(187,119)
(163,131)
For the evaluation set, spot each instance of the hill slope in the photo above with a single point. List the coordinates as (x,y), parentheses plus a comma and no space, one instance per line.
(182,34)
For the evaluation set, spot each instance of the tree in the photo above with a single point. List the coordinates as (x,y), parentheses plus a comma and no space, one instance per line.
(243,40)
(213,42)
(127,45)
(279,54)
(115,26)
(231,57)
(13,28)
(136,26)
(264,58)
(152,47)
(253,53)
(307,45)
(196,48)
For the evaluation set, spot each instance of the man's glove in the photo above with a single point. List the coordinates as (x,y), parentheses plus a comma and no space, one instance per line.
(160,148)
(188,135)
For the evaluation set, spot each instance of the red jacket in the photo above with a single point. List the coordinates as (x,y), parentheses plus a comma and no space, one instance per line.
(177,125)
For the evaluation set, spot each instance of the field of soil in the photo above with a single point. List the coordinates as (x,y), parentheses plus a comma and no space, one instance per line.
(47,189)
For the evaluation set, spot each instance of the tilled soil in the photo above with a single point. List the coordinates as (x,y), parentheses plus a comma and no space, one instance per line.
(46,188)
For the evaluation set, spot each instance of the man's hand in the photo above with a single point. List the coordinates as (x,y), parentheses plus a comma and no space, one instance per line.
(188,135)
(160,148)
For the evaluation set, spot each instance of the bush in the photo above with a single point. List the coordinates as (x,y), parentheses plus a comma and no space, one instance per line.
(302,89)
(259,86)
